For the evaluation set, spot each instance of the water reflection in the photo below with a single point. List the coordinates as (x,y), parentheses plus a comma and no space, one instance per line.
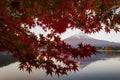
(98,67)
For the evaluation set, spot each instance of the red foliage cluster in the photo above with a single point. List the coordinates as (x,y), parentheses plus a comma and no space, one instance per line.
(55,57)
(18,16)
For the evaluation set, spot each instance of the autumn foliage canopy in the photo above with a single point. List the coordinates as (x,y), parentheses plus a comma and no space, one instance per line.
(17,17)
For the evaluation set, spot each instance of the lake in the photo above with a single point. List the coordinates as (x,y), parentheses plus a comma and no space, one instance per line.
(101,66)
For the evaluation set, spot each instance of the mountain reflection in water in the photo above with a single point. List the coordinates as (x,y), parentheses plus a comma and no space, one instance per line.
(98,67)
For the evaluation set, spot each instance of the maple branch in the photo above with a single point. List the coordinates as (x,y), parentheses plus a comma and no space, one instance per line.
(20,30)
(9,43)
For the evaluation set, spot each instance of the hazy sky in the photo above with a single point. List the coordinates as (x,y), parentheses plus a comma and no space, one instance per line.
(112,36)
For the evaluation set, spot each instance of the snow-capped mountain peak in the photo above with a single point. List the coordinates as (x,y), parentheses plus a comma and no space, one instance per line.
(84,39)
(79,35)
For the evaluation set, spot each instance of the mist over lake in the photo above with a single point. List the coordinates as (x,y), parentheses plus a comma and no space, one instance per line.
(102,66)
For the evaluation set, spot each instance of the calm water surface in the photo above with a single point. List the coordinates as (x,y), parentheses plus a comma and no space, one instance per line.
(99,67)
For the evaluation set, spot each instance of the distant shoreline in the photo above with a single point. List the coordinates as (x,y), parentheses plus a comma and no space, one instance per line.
(109,50)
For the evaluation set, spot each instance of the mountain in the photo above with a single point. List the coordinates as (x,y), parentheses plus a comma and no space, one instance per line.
(84,39)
